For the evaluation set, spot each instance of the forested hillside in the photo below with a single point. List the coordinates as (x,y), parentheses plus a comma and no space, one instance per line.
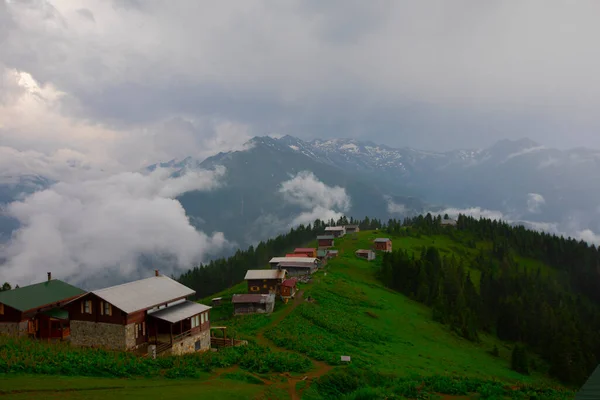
(554,311)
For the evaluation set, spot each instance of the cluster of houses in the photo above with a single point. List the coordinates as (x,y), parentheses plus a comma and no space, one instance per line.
(151,313)
(154,315)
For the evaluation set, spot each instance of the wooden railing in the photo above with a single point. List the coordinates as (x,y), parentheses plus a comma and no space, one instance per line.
(226,342)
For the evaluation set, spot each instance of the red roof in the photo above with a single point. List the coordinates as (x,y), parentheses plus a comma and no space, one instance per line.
(296,255)
(289,282)
(304,250)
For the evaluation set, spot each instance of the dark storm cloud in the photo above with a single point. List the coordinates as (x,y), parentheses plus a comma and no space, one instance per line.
(431,74)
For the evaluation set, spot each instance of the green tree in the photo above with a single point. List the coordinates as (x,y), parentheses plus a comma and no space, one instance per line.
(519,361)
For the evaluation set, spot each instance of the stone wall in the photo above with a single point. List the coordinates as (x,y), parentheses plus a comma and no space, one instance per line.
(188,345)
(13,328)
(98,334)
(130,341)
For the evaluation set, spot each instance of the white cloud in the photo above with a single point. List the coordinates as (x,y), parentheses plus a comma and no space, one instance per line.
(589,236)
(535,201)
(95,230)
(394,208)
(318,199)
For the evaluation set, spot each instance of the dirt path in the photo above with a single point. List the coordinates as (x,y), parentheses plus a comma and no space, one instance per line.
(321,368)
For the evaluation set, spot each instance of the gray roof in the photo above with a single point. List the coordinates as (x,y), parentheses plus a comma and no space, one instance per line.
(363,251)
(382,240)
(180,311)
(253,298)
(303,260)
(264,274)
(322,237)
(144,294)
(334,228)
(296,265)
(591,389)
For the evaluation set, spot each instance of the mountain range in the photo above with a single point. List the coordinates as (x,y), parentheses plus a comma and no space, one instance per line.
(521,180)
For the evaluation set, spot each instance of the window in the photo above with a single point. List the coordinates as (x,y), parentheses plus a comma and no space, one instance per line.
(143,329)
(1,309)
(194,323)
(205,317)
(254,288)
(86,307)
(136,327)
(107,308)
(202,318)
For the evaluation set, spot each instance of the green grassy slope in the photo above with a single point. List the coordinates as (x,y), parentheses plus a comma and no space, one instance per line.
(353,314)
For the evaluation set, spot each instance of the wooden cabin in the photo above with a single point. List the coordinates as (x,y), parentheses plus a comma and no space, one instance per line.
(352,229)
(382,244)
(35,310)
(336,231)
(264,281)
(296,269)
(325,241)
(288,289)
(368,255)
(306,251)
(253,303)
(117,317)
(294,255)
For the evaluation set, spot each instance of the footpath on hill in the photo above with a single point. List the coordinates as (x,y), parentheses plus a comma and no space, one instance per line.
(321,368)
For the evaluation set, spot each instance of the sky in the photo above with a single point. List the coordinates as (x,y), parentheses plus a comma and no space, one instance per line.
(124,83)
(94,90)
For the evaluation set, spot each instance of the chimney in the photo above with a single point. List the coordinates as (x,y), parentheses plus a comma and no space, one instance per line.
(49,276)
(155,272)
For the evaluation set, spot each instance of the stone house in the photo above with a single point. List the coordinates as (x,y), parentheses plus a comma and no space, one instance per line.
(264,281)
(180,329)
(34,310)
(116,317)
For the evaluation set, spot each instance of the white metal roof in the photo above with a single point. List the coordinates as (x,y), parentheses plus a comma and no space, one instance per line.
(304,260)
(180,311)
(335,228)
(264,274)
(144,294)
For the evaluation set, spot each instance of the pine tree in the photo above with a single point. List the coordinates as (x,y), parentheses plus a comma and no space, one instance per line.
(519,361)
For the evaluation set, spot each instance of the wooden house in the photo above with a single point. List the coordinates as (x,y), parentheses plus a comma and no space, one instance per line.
(307,251)
(293,255)
(308,260)
(591,388)
(253,303)
(325,241)
(288,289)
(368,255)
(351,229)
(35,310)
(336,231)
(332,253)
(264,281)
(296,269)
(382,244)
(117,317)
